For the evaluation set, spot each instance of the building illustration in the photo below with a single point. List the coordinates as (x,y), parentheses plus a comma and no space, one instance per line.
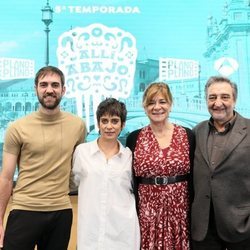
(227,52)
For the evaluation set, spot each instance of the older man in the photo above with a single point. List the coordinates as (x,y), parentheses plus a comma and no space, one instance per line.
(221,206)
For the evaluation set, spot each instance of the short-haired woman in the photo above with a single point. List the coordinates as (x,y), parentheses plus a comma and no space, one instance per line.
(107,217)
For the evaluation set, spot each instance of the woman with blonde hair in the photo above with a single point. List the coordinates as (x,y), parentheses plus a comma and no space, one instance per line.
(162,160)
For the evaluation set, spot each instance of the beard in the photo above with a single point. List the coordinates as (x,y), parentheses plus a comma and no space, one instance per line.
(50,105)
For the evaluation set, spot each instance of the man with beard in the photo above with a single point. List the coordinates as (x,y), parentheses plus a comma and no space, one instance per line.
(221,206)
(41,145)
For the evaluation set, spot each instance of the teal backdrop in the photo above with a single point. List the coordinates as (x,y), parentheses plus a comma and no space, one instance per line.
(116,48)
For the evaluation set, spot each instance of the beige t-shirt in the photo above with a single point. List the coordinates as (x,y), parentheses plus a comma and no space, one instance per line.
(45,145)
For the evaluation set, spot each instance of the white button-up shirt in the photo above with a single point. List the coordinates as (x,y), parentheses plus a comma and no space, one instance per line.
(107,217)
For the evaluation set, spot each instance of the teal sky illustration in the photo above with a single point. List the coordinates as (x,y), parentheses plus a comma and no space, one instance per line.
(162,28)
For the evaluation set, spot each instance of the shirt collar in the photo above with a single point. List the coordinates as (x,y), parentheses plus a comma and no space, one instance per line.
(228,125)
(46,117)
(95,149)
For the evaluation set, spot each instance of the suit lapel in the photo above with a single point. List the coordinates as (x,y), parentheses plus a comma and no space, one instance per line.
(203,142)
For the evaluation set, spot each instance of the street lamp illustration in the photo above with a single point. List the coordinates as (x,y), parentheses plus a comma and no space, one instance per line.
(47,18)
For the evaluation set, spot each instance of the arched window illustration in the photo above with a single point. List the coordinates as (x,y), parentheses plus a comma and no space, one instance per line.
(36,105)
(27,107)
(18,106)
(8,107)
(142,87)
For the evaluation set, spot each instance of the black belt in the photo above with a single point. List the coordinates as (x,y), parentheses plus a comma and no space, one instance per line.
(162,180)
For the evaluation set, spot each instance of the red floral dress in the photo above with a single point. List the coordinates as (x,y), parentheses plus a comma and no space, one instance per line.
(163,210)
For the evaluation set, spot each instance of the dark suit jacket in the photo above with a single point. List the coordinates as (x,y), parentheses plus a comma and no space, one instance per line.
(228,186)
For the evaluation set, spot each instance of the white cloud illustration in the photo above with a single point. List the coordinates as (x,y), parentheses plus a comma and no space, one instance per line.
(7,46)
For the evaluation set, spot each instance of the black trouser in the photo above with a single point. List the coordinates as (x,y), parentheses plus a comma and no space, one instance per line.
(212,240)
(46,230)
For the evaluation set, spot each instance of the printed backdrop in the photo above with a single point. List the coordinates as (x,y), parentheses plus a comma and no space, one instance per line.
(116,48)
